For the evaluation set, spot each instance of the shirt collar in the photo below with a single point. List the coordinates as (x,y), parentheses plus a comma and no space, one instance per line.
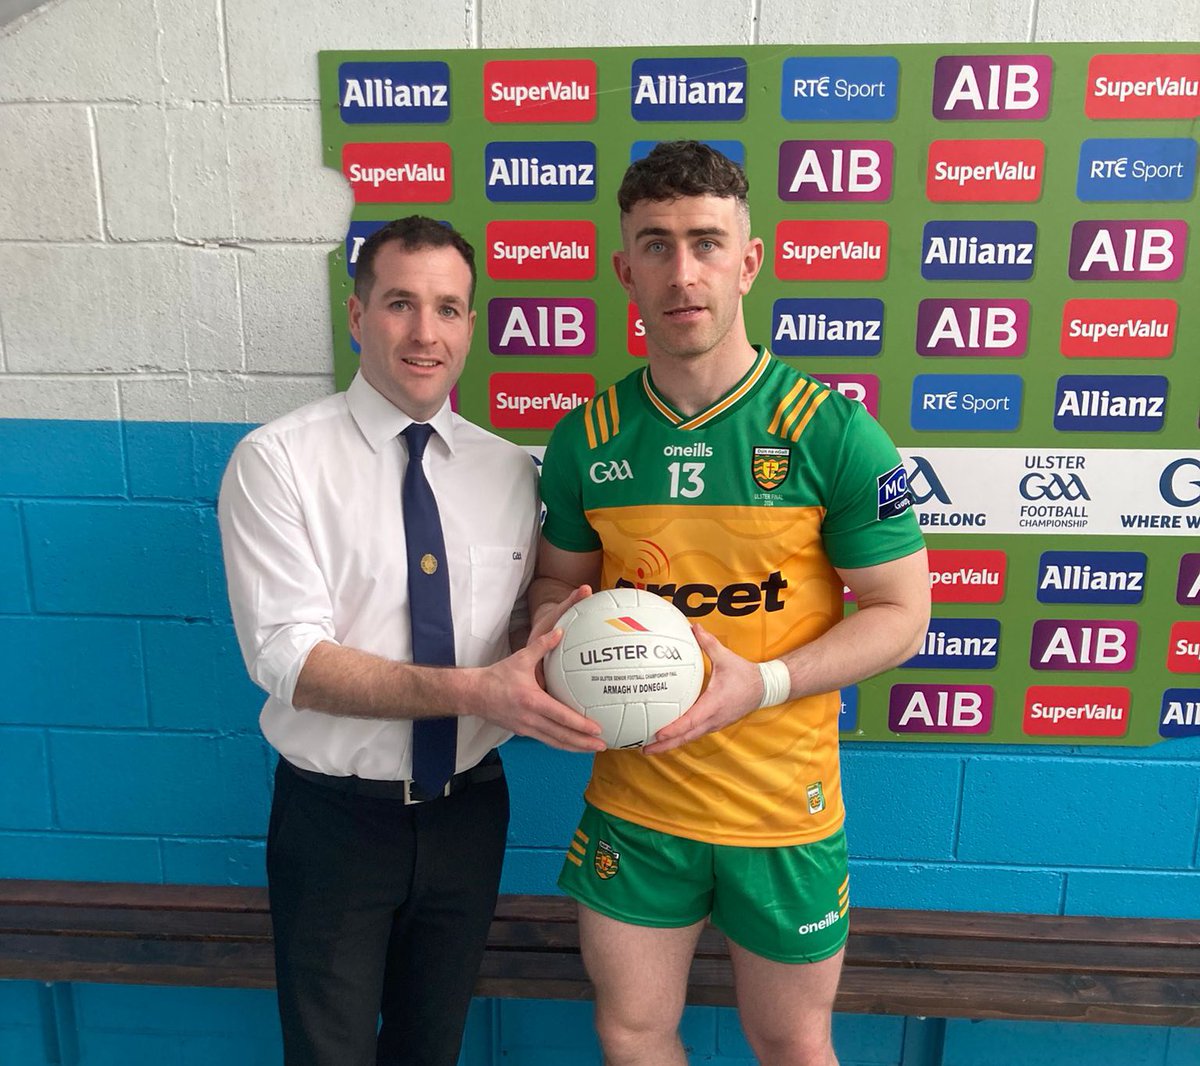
(379,420)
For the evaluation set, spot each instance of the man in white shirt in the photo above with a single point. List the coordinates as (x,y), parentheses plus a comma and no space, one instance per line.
(382,888)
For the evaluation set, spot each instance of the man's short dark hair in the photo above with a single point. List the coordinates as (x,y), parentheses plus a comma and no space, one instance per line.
(682,168)
(412,234)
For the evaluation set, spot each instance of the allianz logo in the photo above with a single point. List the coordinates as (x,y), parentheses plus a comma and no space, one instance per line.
(613,470)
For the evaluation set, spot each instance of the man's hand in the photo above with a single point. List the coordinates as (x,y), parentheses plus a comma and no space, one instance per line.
(548,615)
(512,691)
(734,689)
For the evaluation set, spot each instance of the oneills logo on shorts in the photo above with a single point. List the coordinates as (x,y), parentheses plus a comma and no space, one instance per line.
(606,861)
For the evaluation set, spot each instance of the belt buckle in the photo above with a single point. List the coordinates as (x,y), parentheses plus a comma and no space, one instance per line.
(413,794)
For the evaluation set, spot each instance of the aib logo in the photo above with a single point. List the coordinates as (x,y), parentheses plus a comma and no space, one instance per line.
(924,484)
(821,171)
(1070,644)
(940,708)
(1187,585)
(992,87)
(997,328)
(861,388)
(542,326)
(1128,250)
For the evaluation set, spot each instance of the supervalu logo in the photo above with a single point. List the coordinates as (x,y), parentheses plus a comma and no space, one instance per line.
(407,173)
(967,575)
(541,250)
(981,171)
(1118,329)
(539,90)
(1076,711)
(820,250)
(536,401)
(1162,86)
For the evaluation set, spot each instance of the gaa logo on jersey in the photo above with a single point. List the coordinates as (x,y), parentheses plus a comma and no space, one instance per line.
(770,466)
(394,92)
(892,496)
(712,89)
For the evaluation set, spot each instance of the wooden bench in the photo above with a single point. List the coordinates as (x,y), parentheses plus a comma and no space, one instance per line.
(938,964)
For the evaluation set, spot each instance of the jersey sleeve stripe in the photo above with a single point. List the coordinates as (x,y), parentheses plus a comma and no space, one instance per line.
(587,423)
(798,409)
(613,411)
(783,404)
(601,421)
(812,410)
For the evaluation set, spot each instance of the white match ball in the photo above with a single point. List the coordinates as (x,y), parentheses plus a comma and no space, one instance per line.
(628,659)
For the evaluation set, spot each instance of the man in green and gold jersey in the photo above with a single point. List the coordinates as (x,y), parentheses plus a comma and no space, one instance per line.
(748,494)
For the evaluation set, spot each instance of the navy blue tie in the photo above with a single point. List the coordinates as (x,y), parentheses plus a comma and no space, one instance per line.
(434,739)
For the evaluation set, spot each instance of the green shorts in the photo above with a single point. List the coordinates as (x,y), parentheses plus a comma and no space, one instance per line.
(787,904)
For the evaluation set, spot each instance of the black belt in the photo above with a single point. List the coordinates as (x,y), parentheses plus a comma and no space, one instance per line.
(489,768)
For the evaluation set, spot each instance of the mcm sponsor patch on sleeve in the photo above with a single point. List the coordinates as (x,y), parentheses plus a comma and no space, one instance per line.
(892,493)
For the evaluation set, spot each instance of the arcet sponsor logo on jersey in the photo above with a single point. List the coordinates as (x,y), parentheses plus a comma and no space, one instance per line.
(356,237)
(958,644)
(1129,249)
(635,332)
(769,466)
(978,251)
(975,402)
(840,88)
(1179,714)
(985,171)
(539,90)
(408,173)
(542,326)
(536,401)
(1183,648)
(941,709)
(1187,583)
(821,250)
(1072,644)
(540,171)
(1110,403)
(976,328)
(967,575)
(1119,329)
(1091,577)
(1136,168)
(992,87)
(1076,711)
(862,388)
(394,92)
(610,470)
(849,327)
(650,569)
(891,493)
(532,250)
(1166,85)
(712,89)
(822,171)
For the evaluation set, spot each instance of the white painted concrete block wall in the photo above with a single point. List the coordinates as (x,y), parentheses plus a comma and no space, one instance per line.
(164,213)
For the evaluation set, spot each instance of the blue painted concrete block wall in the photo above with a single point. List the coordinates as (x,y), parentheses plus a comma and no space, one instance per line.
(131,752)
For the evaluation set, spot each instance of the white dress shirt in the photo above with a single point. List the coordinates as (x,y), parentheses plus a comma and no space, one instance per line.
(313,536)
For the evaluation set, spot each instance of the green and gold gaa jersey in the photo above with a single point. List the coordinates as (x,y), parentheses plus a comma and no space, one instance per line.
(738,515)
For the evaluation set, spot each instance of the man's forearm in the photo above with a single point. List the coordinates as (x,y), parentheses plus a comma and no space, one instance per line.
(546,593)
(356,684)
(865,643)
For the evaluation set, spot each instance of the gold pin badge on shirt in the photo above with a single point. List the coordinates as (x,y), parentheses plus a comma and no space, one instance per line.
(429,563)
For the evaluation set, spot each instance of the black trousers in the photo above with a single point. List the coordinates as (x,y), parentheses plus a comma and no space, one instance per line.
(380,910)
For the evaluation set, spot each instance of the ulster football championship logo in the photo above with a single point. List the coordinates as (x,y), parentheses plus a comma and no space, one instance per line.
(770,467)
(607,861)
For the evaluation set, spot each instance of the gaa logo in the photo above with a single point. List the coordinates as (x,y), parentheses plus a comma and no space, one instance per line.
(1040,485)
(614,470)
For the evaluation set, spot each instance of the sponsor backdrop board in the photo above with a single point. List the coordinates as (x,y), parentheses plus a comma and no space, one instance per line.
(990,246)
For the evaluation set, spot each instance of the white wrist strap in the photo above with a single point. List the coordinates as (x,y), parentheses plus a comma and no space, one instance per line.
(777,682)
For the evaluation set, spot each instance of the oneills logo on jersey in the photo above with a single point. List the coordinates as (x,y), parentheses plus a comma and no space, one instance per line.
(606,861)
(626,624)
(770,466)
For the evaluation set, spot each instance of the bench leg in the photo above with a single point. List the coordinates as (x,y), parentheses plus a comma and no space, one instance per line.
(56,1002)
(924,1041)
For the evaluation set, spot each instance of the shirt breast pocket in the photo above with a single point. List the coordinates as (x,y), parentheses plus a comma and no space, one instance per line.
(495,580)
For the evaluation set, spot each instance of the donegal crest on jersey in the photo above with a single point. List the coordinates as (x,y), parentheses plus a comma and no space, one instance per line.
(770,466)
(738,515)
